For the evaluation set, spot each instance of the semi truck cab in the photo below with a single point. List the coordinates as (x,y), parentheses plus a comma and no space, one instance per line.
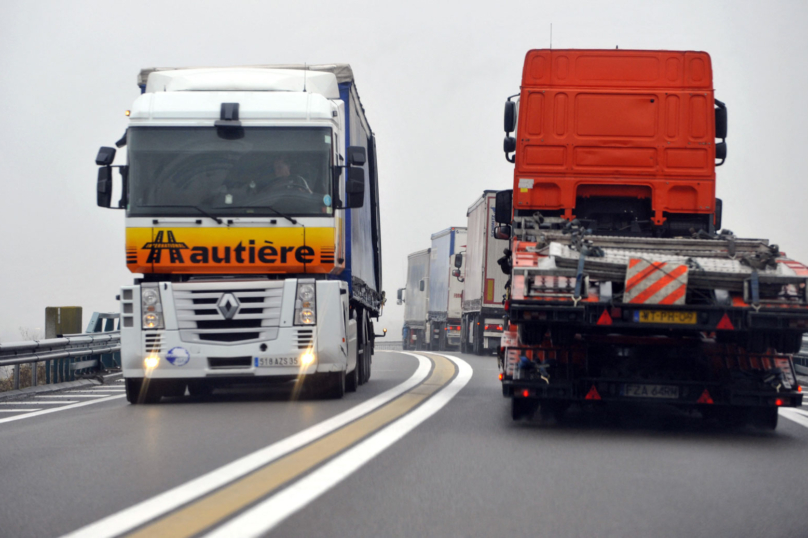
(238,191)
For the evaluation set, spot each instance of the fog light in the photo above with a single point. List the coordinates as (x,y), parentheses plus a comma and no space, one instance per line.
(306,317)
(152,320)
(307,358)
(151,362)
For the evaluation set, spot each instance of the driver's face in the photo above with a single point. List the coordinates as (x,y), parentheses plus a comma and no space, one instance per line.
(281,168)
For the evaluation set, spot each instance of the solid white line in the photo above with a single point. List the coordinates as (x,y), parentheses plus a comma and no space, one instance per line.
(57,409)
(18,410)
(40,402)
(92,391)
(71,395)
(795,416)
(147,510)
(268,514)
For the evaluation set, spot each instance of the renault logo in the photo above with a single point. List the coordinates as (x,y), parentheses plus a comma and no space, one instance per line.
(228,305)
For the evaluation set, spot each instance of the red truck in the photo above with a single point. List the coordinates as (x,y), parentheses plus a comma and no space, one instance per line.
(623,287)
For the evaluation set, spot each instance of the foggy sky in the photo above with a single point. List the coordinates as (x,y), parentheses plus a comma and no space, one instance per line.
(432,77)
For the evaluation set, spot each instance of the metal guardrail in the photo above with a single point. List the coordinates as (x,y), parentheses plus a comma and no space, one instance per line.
(388,345)
(69,355)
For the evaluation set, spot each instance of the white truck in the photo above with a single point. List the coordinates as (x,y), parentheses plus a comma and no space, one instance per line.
(252,225)
(445,289)
(484,286)
(415,297)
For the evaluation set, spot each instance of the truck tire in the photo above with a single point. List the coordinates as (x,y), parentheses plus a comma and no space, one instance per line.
(464,335)
(764,418)
(333,385)
(368,360)
(362,349)
(479,329)
(352,380)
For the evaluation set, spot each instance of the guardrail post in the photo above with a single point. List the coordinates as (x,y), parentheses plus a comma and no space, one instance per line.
(16,377)
(33,373)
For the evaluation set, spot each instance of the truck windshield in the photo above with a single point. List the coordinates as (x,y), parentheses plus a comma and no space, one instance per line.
(229,172)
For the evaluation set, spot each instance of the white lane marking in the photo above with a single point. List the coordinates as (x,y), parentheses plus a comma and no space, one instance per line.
(150,509)
(795,416)
(57,409)
(115,391)
(71,395)
(800,411)
(17,410)
(266,515)
(40,402)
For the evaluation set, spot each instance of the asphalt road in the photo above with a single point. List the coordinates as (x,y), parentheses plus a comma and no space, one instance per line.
(441,457)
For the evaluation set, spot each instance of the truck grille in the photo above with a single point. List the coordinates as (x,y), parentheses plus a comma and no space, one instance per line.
(200,319)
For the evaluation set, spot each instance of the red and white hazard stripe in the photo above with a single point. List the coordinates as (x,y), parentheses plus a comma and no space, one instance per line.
(655,282)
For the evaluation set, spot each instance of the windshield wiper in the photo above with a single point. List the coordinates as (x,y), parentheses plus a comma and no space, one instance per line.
(287,217)
(217,219)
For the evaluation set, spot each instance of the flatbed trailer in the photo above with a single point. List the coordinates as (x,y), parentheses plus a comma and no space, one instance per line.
(622,285)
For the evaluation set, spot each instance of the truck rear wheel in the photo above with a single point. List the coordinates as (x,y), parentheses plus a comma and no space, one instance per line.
(478,337)
(764,418)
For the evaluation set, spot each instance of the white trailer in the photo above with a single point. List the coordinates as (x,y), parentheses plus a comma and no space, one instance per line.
(445,290)
(416,300)
(484,286)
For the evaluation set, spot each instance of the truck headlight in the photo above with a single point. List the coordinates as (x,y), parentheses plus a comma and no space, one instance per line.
(305,303)
(151,306)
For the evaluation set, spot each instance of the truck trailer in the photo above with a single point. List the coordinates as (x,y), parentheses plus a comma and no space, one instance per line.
(445,289)
(624,287)
(253,228)
(415,297)
(484,285)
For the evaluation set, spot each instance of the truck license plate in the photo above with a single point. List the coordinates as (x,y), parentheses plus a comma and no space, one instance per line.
(665,316)
(261,362)
(651,391)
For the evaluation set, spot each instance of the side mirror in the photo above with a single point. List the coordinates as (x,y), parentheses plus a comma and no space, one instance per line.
(502,232)
(720,119)
(104,186)
(509,146)
(721,131)
(458,260)
(456,273)
(357,156)
(355,190)
(503,210)
(421,285)
(510,116)
(400,296)
(105,156)
(721,152)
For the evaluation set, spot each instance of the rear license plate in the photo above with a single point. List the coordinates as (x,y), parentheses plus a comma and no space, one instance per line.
(651,391)
(263,362)
(665,316)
